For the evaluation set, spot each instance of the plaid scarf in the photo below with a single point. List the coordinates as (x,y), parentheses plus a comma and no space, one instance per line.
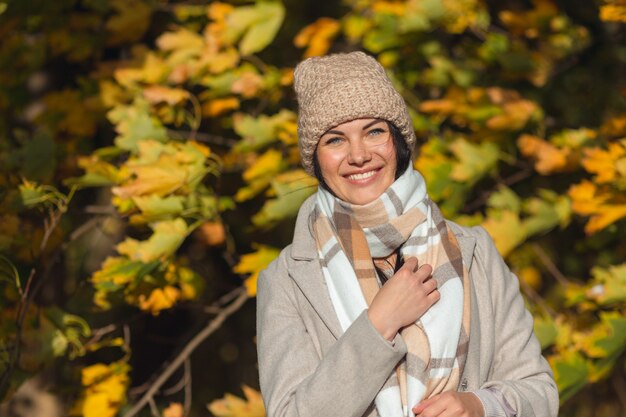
(349,236)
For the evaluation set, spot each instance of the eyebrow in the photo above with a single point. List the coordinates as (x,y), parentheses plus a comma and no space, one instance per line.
(367,126)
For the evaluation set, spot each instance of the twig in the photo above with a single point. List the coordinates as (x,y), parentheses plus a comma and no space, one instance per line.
(216,307)
(97,334)
(188,350)
(534,295)
(550,266)
(153,408)
(620,389)
(187,402)
(203,137)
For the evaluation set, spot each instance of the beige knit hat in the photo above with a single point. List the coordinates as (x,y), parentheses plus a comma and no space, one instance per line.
(342,87)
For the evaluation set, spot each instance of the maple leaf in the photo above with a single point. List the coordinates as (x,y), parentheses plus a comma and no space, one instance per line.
(167,237)
(129,23)
(603,207)
(232,406)
(158,94)
(317,36)
(605,163)
(253,263)
(548,158)
(105,389)
(159,299)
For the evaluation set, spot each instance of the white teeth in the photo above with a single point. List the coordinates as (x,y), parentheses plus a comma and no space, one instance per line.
(362,176)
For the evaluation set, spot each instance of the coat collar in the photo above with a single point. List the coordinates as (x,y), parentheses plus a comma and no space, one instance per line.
(306,271)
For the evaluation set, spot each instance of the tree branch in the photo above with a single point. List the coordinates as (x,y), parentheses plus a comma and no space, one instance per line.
(550,266)
(187,351)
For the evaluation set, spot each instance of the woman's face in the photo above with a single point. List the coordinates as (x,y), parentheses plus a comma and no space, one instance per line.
(357,160)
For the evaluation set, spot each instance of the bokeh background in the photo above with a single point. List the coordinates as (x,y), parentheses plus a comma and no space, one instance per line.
(149,170)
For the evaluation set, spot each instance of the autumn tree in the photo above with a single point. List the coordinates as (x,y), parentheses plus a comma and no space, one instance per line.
(150,170)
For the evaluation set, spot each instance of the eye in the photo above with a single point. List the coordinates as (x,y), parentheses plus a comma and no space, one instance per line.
(333,140)
(377,131)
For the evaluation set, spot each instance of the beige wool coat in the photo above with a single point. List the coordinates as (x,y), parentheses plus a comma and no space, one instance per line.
(308,368)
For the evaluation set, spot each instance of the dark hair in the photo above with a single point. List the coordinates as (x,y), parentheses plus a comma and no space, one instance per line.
(403,156)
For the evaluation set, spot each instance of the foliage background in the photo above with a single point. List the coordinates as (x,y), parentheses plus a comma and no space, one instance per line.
(150,170)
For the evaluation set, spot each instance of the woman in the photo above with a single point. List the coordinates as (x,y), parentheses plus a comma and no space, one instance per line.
(380,306)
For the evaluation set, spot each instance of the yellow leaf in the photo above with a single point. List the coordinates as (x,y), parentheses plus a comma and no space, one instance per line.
(247,84)
(105,389)
(603,207)
(218,106)
(506,230)
(317,36)
(614,127)
(442,106)
(162,169)
(260,174)
(613,13)
(182,45)
(232,406)
(159,299)
(174,410)
(172,96)
(548,158)
(167,237)
(253,263)
(390,7)
(129,23)
(604,163)
(219,11)
(516,114)
(531,276)
(265,165)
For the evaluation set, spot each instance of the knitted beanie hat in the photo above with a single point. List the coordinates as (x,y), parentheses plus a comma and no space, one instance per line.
(342,87)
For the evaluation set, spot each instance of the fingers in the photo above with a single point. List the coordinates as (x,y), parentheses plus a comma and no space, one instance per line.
(410,264)
(431,405)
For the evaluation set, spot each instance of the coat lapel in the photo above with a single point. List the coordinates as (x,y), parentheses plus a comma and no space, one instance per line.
(308,276)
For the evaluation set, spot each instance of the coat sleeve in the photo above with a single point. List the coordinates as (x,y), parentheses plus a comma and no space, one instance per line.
(519,371)
(295,381)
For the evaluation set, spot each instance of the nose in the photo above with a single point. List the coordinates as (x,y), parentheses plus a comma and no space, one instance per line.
(358,154)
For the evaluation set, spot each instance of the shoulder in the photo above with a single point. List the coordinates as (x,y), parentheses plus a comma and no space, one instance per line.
(485,247)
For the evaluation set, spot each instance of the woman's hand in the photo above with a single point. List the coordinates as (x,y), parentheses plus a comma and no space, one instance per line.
(450,404)
(403,299)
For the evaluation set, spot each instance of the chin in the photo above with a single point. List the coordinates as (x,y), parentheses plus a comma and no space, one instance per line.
(364,197)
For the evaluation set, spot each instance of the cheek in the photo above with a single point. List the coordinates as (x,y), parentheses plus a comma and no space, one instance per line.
(329,163)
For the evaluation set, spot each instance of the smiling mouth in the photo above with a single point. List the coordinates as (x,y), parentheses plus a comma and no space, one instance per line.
(362,176)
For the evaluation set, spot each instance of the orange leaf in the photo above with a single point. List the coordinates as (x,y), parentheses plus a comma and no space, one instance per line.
(219,106)
(212,233)
(172,96)
(601,205)
(548,158)
(317,36)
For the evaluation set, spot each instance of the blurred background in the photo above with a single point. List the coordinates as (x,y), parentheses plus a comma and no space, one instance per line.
(149,170)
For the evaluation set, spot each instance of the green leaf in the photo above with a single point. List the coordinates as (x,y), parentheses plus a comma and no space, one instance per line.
(545,330)
(263,32)
(256,25)
(258,132)
(134,123)
(9,273)
(571,371)
(292,188)
(614,343)
(609,285)
(167,237)
(505,199)
(155,206)
(474,160)
(71,331)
